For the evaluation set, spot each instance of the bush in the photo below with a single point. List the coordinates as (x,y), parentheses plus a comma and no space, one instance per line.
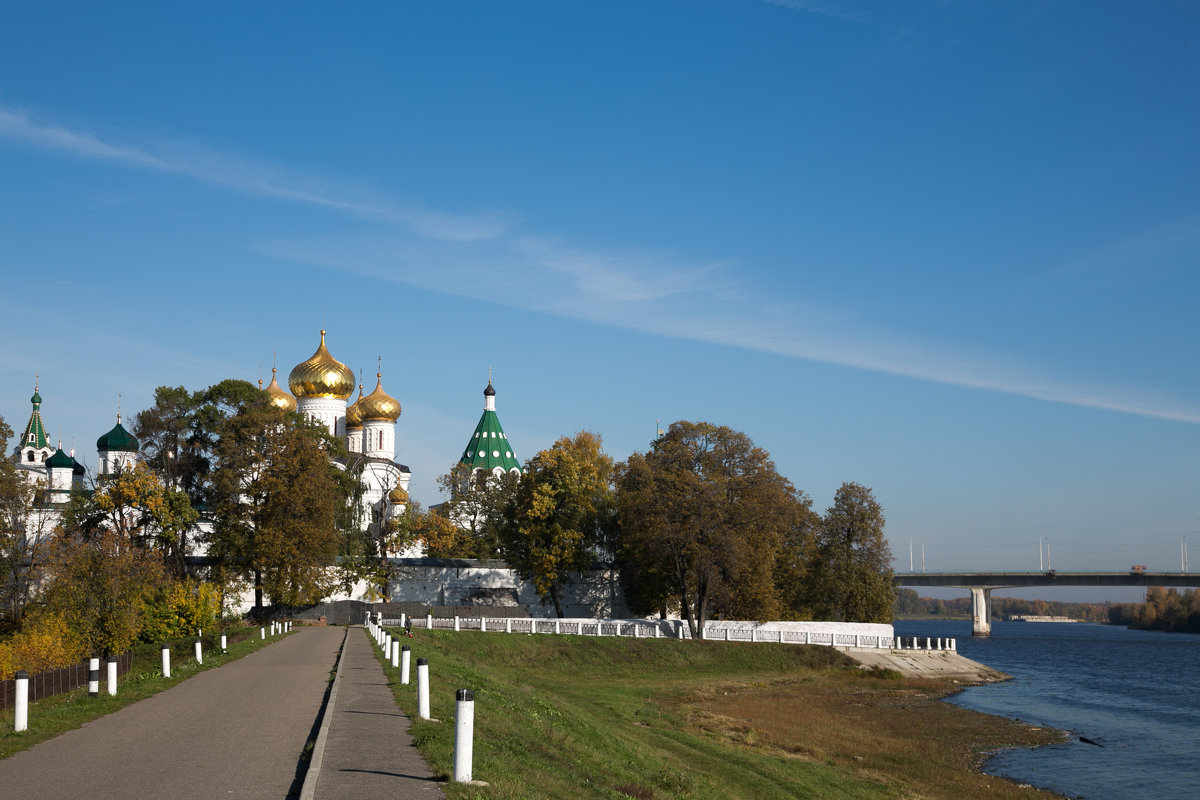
(179,609)
(46,642)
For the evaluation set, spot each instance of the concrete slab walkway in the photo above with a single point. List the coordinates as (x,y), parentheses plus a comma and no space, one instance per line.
(234,732)
(368,752)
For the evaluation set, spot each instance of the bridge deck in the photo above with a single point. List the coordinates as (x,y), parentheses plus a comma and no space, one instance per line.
(998,580)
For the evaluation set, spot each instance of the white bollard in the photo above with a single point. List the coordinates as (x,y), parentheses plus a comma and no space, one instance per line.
(223,647)
(396,653)
(112,675)
(429,621)
(456,628)
(423,688)
(21,704)
(93,677)
(199,653)
(166,661)
(387,645)
(403,617)
(464,734)
(262,633)
(405,654)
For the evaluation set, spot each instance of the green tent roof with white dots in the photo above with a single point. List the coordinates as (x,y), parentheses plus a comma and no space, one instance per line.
(489,448)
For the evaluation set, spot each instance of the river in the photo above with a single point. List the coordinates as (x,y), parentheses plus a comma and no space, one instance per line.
(1135,693)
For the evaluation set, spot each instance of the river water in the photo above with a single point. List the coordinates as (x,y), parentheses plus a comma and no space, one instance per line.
(1135,693)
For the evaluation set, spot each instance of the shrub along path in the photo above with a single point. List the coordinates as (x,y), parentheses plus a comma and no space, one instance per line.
(236,732)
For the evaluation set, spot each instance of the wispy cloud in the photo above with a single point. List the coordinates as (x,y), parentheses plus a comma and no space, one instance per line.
(250,176)
(657,293)
(699,304)
(822,9)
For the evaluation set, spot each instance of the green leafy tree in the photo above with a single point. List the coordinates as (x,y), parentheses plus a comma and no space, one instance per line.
(276,503)
(853,576)
(703,517)
(477,502)
(561,511)
(180,433)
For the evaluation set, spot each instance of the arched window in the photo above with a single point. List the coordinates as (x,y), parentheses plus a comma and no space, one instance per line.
(31,454)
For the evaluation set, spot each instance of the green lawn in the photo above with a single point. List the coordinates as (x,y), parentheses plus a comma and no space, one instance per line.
(586,717)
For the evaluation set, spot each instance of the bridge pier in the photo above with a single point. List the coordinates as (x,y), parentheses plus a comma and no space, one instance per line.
(981,610)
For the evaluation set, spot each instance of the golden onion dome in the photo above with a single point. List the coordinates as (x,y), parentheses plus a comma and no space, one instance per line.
(378,405)
(277,396)
(398,496)
(321,376)
(354,412)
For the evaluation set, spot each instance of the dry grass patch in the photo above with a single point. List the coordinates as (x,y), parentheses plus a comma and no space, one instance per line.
(894,732)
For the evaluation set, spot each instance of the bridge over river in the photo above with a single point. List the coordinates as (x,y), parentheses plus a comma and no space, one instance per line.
(981,585)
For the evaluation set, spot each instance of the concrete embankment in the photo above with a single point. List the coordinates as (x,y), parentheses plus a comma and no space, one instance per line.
(943,664)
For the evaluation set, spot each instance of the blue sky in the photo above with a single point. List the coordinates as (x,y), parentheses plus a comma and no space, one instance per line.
(946,250)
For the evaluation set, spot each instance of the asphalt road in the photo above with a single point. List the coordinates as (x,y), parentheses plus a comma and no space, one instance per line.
(234,732)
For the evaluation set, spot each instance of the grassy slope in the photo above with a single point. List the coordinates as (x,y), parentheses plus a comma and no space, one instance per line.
(53,716)
(575,717)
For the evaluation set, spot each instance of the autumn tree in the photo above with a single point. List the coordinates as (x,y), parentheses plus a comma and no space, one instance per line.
(277,501)
(562,508)
(101,586)
(852,580)
(703,516)
(796,561)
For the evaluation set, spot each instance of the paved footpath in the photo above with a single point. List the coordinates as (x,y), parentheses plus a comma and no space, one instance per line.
(234,732)
(368,753)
